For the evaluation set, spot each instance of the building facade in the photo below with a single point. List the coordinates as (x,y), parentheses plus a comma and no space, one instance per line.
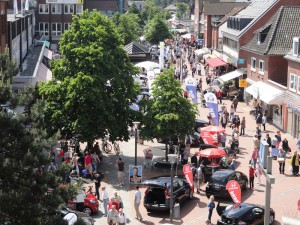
(3,24)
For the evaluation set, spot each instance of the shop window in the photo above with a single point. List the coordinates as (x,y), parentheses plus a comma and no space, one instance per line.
(277,114)
(293,82)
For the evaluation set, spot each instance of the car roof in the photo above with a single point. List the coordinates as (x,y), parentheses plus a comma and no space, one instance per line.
(200,121)
(160,181)
(224,172)
(239,211)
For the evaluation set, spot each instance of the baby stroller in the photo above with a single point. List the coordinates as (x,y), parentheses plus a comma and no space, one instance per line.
(148,158)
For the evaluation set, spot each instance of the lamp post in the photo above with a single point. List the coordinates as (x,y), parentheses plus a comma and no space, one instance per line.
(136,126)
(172,159)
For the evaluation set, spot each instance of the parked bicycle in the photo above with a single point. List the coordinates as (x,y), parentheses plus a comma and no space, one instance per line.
(106,147)
(117,148)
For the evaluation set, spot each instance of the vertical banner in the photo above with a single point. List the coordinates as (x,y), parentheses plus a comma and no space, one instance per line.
(16,7)
(26,5)
(212,104)
(162,53)
(135,174)
(188,173)
(191,87)
(234,190)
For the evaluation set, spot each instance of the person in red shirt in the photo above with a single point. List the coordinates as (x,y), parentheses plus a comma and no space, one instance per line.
(219,96)
(88,164)
(251,176)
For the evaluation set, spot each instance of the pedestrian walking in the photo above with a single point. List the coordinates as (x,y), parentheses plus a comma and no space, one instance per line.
(97,179)
(88,164)
(75,163)
(243,126)
(199,69)
(281,157)
(255,155)
(224,120)
(258,133)
(137,202)
(235,102)
(117,198)
(122,217)
(251,176)
(95,161)
(264,121)
(105,200)
(298,144)
(258,173)
(210,206)
(285,145)
(294,162)
(259,120)
(278,137)
(237,122)
(219,96)
(121,167)
(113,216)
(255,141)
(223,139)
(200,177)
(194,160)
(268,140)
(232,111)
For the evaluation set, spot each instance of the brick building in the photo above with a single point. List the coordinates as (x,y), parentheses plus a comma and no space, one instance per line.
(266,66)
(3,26)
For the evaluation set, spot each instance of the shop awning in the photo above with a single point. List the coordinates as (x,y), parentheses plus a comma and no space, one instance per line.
(202,51)
(265,93)
(231,75)
(290,99)
(215,62)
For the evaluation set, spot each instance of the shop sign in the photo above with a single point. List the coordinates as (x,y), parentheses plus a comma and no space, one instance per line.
(241,61)
(242,83)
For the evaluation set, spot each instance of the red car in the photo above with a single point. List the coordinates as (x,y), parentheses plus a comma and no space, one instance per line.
(91,204)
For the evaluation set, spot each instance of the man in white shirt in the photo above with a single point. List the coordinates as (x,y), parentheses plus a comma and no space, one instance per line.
(105,200)
(137,202)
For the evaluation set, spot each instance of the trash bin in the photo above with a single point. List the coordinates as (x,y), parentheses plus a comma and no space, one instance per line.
(176,211)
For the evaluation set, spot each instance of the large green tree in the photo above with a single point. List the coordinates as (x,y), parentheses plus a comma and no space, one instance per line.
(151,11)
(168,113)
(92,83)
(28,194)
(128,26)
(157,30)
(182,9)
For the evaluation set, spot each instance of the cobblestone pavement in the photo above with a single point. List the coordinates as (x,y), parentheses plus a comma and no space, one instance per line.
(285,191)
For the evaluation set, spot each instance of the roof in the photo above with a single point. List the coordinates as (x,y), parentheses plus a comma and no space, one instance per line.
(279,30)
(292,57)
(215,62)
(221,8)
(254,10)
(135,47)
(232,12)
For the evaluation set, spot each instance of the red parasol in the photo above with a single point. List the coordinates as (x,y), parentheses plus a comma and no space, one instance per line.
(212,153)
(213,129)
(213,165)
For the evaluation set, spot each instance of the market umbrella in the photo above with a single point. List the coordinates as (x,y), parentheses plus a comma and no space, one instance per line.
(212,153)
(213,129)
(213,166)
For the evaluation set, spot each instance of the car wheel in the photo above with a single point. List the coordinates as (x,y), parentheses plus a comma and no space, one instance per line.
(191,195)
(271,219)
(87,211)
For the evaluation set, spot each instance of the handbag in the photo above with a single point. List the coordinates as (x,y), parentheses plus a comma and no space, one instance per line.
(280,160)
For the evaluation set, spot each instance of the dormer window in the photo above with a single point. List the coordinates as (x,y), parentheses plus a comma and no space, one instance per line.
(296,46)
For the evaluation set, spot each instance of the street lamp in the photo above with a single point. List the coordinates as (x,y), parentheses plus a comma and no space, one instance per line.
(136,126)
(172,159)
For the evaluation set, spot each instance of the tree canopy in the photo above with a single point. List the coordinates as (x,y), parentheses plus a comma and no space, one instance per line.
(151,11)
(182,9)
(128,26)
(92,83)
(157,30)
(168,113)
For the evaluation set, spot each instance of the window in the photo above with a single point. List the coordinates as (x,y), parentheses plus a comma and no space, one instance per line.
(296,46)
(56,9)
(293,82)
(44,28)
(67,26)
(261,67)
(298,85)
(43,8)
(69,9)
(258,38)
(253,64)
(79,9)
(56,29)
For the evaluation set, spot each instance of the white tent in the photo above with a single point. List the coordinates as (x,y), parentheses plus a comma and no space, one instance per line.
(148,65)
(187,36)
(202,51)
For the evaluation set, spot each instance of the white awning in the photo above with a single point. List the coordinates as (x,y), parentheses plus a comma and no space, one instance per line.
(43,74)
(48,53)
(290,99)
(230,76)
(202,51)
(265,93)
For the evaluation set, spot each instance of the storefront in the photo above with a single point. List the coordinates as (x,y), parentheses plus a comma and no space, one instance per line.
(267,97)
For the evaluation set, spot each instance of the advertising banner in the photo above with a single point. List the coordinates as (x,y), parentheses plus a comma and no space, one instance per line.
(212,104)
(234,190)
(191,87)
(135,174)
(188,173)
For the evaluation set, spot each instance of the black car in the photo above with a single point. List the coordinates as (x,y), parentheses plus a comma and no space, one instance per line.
(199,124)
(244,213)
(217,184)
(157,196)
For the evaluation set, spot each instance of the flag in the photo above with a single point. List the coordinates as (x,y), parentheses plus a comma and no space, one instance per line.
(15,6)
(191,87)
(212,104)
(234,190)
(188,173)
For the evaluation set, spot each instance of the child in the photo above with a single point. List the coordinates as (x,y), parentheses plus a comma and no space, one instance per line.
(251,176)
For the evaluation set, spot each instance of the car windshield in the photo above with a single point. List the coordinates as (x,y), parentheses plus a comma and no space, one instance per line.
(219,178)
